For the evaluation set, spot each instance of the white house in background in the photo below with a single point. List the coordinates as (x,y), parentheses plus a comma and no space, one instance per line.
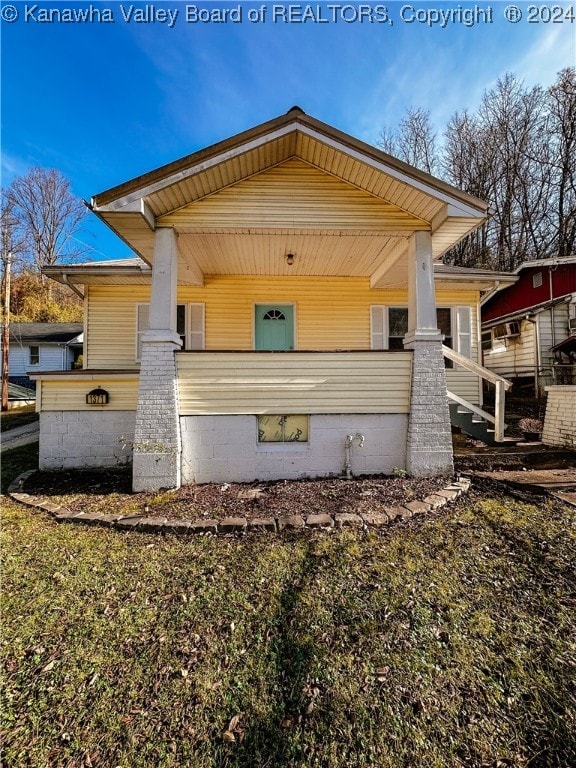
(36,347)
(528,328)
(288,296)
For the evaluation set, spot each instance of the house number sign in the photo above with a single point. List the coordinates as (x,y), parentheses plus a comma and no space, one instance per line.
(97,397)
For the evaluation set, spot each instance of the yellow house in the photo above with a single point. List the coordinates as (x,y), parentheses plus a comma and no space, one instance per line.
(287,315)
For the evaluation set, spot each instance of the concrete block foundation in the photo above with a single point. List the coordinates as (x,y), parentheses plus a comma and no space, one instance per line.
(85,439)
(223,449)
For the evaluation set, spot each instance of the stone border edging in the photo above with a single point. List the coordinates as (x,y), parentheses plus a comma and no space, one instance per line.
(151,524)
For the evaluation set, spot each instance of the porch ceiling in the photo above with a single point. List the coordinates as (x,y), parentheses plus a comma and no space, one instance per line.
(293,185)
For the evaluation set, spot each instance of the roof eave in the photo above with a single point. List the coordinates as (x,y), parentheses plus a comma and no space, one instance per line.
(193,163)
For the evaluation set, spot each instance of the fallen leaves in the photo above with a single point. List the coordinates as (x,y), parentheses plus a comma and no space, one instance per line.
(234,732)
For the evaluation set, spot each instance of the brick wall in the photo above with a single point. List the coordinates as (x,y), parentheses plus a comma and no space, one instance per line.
(156,462)
(429,448)
(560,419)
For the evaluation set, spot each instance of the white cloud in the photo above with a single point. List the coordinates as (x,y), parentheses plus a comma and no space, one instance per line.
(12,166)
(547,56)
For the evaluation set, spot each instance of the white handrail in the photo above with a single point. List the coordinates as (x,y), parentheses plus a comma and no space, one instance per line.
(501,384)
(470,407)
(476,368)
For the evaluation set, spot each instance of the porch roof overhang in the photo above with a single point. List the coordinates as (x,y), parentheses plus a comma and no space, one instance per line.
(350,209)
(134,271)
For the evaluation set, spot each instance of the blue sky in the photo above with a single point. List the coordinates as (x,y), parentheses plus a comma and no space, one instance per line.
(105,102)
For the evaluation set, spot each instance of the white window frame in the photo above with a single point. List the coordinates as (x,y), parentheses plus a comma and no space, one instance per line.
(30,348)
(283,442)
(194,338)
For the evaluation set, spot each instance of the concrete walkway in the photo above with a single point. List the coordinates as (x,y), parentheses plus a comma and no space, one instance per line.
(14,438)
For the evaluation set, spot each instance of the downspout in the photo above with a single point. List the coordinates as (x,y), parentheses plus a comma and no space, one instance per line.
(490,293)
(480,352)
(536,324)
(552,318)
(72,286)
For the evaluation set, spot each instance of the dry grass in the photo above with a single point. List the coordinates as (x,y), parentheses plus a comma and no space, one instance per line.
(447,641)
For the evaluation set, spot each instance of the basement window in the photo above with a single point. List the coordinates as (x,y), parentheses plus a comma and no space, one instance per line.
(282,429)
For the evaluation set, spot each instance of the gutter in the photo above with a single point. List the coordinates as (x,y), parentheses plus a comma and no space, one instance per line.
(93,209)
(492,292)
(70,285)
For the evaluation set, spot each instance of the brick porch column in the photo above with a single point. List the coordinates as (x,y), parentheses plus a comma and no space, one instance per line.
(157,446)
(429,444)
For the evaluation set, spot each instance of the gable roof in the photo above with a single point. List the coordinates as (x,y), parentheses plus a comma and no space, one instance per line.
(45,333)
(402,198)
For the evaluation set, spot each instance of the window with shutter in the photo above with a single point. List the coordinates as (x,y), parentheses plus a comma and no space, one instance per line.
(142,324)
(196,326)
(389,325)
(189,325)
(464,331)
(377,326)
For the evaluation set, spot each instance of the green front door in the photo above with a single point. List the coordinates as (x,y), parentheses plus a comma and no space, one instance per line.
(274,326)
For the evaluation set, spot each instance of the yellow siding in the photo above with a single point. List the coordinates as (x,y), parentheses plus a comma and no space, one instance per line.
(331,313)
(464,384)
(296,195)
(70,395)
(294,382)
(110,340)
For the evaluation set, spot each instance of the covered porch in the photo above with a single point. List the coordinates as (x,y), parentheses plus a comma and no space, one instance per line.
(290,198)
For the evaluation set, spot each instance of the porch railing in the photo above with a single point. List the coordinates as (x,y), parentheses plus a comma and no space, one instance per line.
(501,386)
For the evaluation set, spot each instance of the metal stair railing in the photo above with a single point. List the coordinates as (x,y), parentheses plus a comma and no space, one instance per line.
(500,383)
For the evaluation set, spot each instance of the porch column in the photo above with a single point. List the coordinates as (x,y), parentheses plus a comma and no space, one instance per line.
(157,446)
(429,444)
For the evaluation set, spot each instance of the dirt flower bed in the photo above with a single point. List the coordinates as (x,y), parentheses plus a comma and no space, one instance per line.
(109,492)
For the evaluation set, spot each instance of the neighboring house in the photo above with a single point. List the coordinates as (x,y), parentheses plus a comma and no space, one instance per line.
(288,297)
(18,396)
(527,328)
(36,347)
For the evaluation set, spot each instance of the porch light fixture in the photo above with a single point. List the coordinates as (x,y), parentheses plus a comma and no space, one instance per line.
(290,259)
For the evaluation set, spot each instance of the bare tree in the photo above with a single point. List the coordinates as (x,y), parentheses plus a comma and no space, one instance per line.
(414,141)
(517,151)
(48,216)
(562,136)
(512,119)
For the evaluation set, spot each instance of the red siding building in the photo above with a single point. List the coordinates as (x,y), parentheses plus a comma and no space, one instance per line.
(538,282)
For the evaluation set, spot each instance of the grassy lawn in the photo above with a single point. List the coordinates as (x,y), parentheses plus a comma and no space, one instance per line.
(447,641)
(16,461)
(18,417)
